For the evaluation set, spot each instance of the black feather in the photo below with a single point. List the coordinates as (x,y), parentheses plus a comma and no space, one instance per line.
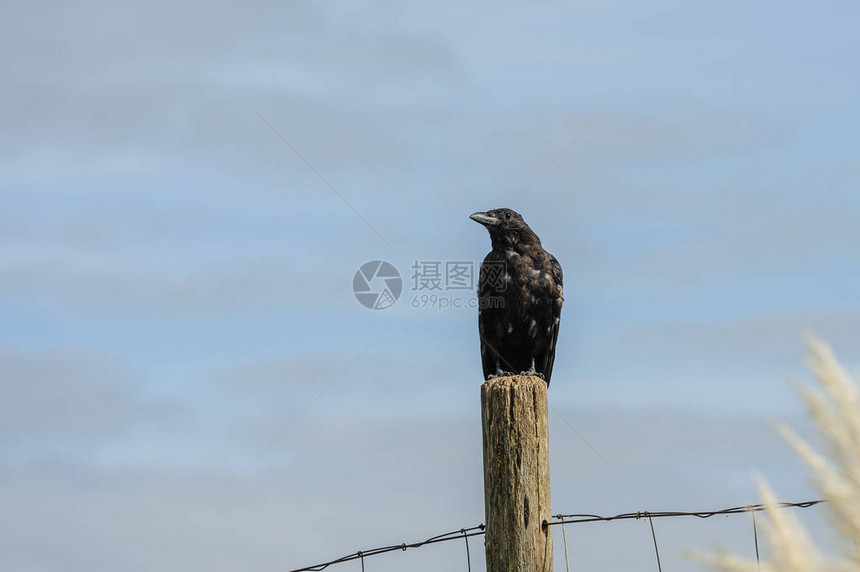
(520,294)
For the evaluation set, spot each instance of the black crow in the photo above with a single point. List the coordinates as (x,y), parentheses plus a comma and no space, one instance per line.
(519,299)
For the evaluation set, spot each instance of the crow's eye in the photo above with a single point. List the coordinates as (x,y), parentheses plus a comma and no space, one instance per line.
(508,216)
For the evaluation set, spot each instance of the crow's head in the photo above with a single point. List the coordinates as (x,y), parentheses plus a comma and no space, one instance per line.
(506,226)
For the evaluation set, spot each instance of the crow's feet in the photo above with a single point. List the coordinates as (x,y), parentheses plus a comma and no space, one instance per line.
(534,373)
(500,373)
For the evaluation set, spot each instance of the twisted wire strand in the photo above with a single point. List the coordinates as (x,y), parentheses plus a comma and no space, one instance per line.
(559,519)
(575,518)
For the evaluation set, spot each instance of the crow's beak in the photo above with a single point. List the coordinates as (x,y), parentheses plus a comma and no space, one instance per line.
(484,219)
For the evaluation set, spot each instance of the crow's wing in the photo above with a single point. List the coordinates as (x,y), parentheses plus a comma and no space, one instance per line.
(545,362)
(488,314)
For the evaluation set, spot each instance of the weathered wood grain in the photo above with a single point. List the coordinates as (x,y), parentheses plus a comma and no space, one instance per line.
(516,474)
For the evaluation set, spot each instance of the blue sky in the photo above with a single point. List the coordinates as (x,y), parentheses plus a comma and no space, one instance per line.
(175,281)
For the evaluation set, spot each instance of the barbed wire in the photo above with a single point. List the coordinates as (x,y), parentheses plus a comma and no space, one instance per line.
(576,518)
(465,533)
(453,535)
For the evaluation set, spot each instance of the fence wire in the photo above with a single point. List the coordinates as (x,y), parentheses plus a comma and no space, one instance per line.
(562,519)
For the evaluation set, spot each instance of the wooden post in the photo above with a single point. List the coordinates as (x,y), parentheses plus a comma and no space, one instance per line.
(516,474)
